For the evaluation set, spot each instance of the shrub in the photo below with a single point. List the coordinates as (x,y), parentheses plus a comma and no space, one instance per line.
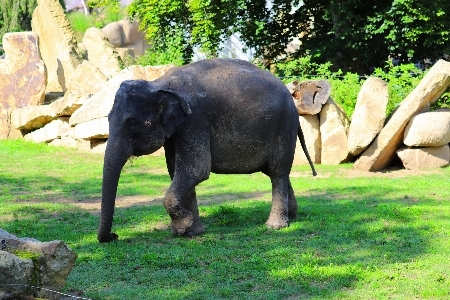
(345,88)
(80,23)
(401,81)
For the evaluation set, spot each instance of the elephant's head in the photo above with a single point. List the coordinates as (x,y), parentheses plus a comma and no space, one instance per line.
(140,120)
(309,96)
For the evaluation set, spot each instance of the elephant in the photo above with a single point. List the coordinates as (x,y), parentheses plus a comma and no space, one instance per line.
(224,116)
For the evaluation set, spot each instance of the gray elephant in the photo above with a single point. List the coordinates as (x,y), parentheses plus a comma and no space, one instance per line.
(223,116)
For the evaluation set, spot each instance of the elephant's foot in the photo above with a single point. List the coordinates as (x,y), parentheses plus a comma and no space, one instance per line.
(197,228)
(107,238)
(277,222)
(181,222)
(292,214)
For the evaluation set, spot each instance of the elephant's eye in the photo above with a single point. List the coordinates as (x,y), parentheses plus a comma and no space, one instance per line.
(133,123)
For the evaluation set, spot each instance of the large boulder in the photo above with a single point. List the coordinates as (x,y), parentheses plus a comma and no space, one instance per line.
(26,262)
(32,117)
(101,53)
(334,125)
(381,152)
(86,81)
(53,130)
(369,115)
(428,157)
(22,77)
(57,43)
(113,32)
(311,131)
(96,128)
(131,33)
(430,129)
(99,105)
(126,37)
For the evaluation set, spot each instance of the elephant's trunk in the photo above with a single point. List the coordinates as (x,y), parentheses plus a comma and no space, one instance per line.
(115,159)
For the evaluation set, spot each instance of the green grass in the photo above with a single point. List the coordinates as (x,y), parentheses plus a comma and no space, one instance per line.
(356,237)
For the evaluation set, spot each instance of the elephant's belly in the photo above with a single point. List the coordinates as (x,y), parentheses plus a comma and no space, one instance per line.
(239,159)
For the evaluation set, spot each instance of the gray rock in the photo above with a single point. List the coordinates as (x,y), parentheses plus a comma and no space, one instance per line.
(27,262)
(369,116)
(430,129)
(382,150)
(311,131)
(334,125)
(427,157)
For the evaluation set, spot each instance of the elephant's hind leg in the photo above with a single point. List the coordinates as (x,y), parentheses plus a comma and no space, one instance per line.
(190,203)
(292,204)
(278,217)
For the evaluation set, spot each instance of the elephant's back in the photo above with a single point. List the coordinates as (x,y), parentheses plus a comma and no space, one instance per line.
(231,81)
(227,85)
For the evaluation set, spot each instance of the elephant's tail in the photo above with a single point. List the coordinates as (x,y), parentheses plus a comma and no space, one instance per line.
(302,142)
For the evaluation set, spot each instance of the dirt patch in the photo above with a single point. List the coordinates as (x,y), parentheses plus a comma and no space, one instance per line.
(93,205)
(308,174)
(354,173)
(390,173)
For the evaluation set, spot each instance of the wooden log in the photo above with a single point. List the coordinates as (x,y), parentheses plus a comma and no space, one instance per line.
(309,96)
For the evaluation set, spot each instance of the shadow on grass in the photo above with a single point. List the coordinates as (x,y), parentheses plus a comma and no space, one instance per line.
(340,235)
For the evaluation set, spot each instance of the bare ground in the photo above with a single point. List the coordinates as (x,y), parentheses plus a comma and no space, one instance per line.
(93,205)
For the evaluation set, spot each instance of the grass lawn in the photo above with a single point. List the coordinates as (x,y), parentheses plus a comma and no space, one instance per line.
(358,235)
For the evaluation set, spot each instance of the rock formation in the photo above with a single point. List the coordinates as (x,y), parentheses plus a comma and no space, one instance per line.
(334,125)
(26,262)
(22,78)
(126,37)
(428,157)
(57,43)
(430,129)
(101,53)
(310,125)
(369,115)
(381,152)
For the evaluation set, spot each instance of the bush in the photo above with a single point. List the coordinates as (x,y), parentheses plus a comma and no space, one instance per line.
(401,81)
(80,22)
(344,88)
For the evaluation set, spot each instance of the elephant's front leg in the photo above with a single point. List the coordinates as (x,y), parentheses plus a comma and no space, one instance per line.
(182,218)
(190,203)
(278,217)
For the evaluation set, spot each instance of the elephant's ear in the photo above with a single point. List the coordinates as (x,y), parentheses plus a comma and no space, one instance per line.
(173,109)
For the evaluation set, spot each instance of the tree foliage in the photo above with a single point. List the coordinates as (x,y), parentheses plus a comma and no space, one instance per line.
(15,15)
(354,35)
(364,34)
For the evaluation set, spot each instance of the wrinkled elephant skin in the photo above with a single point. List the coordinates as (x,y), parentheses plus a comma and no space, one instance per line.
(221,115)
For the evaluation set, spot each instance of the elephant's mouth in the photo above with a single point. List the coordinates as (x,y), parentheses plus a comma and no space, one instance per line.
(139,150)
